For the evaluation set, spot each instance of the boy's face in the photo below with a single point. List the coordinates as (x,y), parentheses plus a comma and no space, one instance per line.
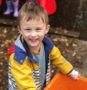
(33,31)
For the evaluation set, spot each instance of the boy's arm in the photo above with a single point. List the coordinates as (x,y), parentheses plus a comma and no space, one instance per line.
(58,60)
(22,73)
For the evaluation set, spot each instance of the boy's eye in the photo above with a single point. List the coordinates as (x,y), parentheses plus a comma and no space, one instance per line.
(27,29)
(38,29)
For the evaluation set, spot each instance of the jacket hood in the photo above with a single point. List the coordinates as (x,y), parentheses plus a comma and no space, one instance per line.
(21,49)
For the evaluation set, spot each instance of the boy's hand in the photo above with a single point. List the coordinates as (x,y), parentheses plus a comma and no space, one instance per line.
(74,74)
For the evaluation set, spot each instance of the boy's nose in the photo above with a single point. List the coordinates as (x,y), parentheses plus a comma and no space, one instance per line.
(33,34)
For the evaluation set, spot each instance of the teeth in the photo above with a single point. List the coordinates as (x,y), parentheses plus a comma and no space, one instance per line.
(33,40)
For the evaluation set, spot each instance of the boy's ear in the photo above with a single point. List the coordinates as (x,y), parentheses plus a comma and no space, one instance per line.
(47,28)
(18,27)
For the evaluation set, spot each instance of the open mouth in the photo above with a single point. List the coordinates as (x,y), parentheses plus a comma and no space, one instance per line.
(33,40)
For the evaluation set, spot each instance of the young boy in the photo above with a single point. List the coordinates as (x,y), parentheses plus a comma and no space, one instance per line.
(34,53)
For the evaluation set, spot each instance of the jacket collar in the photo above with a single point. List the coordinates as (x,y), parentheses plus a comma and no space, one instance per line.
(21,50)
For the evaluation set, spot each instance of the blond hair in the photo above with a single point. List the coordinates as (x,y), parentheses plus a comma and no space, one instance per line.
(31,11)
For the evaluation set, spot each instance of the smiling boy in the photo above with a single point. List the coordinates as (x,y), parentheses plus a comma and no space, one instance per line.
(34,52)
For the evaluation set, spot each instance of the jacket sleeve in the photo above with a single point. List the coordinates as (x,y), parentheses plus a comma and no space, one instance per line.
(59,61)
(22,74)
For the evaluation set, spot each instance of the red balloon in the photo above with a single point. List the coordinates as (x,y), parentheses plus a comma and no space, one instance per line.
(48,5)
(0,2)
